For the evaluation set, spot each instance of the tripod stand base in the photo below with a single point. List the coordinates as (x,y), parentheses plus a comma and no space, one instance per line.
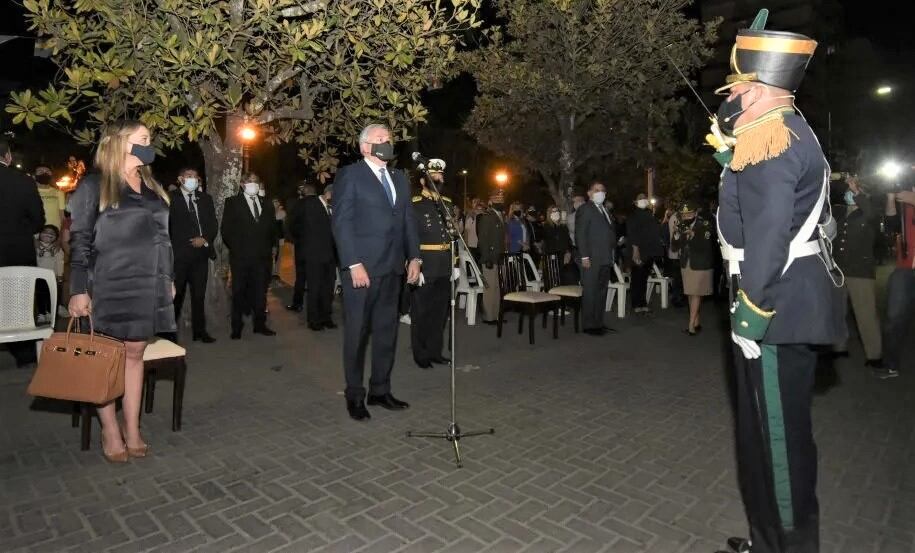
(453,435)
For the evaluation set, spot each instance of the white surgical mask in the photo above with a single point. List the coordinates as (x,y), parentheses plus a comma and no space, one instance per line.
(598,197)
(261,192)
(641,204)
(190,184)
(251,188)
(554,216)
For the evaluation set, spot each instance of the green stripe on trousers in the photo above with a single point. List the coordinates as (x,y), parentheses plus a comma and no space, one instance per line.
(778,445)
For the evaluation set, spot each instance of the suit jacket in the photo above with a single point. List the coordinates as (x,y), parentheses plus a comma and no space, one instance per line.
(491,237)
(595,236)
(644,231)
(248,240)
(761,209)
(854,244)
(23,217)
(367,228)
(311,230)
(696,253)
(182,226)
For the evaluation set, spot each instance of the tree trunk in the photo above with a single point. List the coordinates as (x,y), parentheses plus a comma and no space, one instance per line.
(567,158)
(222,164)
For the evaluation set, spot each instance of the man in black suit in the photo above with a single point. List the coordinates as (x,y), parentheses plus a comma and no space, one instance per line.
(295,225)
(192,227)
(249,230)
(596,240)
(376,236)
(23,218)
(314,238)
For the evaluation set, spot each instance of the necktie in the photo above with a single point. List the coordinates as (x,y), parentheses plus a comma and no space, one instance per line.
(387,185)
(257,209)
(192,207)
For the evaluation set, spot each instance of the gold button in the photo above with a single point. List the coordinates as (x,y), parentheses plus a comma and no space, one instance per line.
(744,324)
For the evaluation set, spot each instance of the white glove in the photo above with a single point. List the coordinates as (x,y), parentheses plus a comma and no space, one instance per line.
(455,273)
(750,348)
(422,280)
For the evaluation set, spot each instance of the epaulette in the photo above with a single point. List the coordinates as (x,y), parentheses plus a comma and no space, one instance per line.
(447,199)
(417,199)
(762,140)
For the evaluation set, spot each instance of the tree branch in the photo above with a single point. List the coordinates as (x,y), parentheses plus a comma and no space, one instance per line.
(304,112)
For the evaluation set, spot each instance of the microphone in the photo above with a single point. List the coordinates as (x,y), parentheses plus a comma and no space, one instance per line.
(419,160)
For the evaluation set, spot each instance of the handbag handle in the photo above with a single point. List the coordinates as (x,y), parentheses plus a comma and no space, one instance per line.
(76,320)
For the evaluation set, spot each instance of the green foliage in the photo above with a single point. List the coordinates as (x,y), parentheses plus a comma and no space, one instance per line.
(569,82)
(313,71)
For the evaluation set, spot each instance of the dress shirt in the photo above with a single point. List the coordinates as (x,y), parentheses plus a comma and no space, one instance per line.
(252,201)
(376,170)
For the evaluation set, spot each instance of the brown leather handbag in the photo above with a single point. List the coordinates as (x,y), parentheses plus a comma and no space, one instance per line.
(80,367)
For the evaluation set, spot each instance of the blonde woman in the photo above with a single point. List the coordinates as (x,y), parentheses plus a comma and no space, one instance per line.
(121,267)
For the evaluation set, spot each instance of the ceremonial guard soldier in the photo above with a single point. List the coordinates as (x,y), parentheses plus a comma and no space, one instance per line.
(432,296)
(774,232)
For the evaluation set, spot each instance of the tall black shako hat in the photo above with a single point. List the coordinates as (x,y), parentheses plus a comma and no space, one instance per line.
(775,58)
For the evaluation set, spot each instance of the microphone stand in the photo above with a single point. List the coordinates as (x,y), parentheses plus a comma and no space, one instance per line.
(453,433)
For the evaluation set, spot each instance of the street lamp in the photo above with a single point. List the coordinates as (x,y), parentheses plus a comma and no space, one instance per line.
(247,134)
(501,179)
(464,174)
(890,170)
(884,90)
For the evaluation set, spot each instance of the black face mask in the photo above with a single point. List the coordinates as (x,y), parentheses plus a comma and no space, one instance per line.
(43,179)
(146,154)
(728,112)
(497,206)
(517,214)
(383,151)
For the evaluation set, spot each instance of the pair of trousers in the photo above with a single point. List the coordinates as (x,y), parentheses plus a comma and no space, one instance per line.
(639,282)
(492,294)
(594,282)
(192,272)
(428,314)
(673,270)
(776,454)
(369,313)
(321,279)
(249,292)
(863,295)
(900,309)
(301,277)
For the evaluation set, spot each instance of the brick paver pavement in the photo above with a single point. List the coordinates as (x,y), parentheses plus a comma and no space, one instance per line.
(618,444)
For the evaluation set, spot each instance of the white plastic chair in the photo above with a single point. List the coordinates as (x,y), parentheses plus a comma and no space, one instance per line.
(662,282)
(469,286)
(617,290)
(17,304)
(532,277)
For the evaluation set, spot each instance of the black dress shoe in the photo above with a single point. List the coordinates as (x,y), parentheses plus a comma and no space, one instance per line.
(388,401)
(330,325)
(264,331)
(739,545)
(236,334)
(423,364)
(294,307)
(357,410)
(608,330)
(491,323)
(205,338)
(315,327)
(874,363)
(441,360)
(594,331)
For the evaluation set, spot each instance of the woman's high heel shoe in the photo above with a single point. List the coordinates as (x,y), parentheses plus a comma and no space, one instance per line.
(118,457)
(138,452)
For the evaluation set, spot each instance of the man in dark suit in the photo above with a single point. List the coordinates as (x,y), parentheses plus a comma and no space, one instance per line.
(192,227)
(314,239)
(249,230)
(596,240)
(491,241)
(294,224)
(23,218)
(376,237)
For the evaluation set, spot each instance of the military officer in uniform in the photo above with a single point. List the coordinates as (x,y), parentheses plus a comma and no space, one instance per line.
(785,297)
(432,296)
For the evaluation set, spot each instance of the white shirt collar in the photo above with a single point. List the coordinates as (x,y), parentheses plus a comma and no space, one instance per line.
(373,166)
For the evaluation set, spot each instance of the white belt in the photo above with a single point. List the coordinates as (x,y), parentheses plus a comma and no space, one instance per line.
(803,249)
(733,256)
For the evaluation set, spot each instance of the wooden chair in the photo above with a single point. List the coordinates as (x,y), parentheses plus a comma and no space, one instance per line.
(618,290)
(516,297)
(160,358)
(570,295)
